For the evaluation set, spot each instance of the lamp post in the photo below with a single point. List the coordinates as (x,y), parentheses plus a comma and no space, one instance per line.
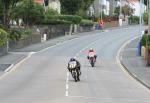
(140,30)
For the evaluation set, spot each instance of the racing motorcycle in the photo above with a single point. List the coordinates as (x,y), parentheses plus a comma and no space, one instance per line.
(92,59)
(73,69)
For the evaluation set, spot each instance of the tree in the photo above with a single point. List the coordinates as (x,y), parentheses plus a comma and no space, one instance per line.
(126,10)
(87,4)
(71,6)
(29,12)
(7,6)
(1,13)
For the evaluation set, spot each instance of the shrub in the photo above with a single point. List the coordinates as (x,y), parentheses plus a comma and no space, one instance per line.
(145,38)
(51,12)
(14,35)
(56,22)
(145,18)
(85,22)
(3,37)
(74,19)
(134,20)
(26,33)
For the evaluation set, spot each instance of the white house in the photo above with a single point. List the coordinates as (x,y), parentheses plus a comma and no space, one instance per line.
(55,4)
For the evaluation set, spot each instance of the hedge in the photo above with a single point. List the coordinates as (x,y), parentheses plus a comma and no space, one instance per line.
(134,20)
(145,38)
(3,37)
(71,18)
(55,22)
(145,18)
(85,22)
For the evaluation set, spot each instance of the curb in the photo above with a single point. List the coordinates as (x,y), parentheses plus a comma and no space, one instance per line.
(127,70)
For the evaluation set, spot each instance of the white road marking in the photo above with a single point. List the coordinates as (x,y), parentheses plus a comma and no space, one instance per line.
(14,67)
(10,67)
(67,85)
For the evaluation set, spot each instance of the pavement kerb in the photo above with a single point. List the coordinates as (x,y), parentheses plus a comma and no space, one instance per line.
(124,66)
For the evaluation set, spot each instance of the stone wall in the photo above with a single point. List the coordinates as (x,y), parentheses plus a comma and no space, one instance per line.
(83,28)
(34,38)
(111,24)
(57,30)
(3,50)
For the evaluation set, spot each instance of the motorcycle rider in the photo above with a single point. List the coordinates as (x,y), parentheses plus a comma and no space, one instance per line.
(77,68)
(91,51)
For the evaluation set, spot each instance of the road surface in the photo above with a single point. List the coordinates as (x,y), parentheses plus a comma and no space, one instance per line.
(43,77)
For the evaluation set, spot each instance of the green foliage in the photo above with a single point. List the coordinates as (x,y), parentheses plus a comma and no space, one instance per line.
(134,20)
(16,35)
(56,22)
(51,12)
(83,14)
(26,33)
(1,12)
(29,12)
(71,6)
(7,7)
(145,39)
(3,37)
(126,10)
(71,18)
(117,11)
(87,4)
(145,18)
(85,22)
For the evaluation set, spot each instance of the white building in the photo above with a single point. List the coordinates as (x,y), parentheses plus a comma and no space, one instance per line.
(55,4)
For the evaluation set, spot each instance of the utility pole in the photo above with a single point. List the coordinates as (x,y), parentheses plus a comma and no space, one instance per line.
(149,17)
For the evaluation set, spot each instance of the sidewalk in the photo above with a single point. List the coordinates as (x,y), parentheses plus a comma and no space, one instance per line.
(135,65)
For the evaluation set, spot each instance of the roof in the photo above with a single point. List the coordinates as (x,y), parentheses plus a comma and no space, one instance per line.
(39,1)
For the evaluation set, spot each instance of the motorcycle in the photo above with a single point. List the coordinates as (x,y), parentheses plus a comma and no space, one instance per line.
(73,70)
(92,59)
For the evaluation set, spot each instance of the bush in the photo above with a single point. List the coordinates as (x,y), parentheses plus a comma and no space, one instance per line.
(3,37)
(134,20)
(85,22)
(16,35)
(56,22)
(71,18)
(145,18)
(51,12)
(26,33)
(145,38)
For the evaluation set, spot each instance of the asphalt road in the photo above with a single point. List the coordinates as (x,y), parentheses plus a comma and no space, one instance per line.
(43,78)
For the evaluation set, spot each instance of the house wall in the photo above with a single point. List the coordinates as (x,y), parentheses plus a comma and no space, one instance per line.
(55,4)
